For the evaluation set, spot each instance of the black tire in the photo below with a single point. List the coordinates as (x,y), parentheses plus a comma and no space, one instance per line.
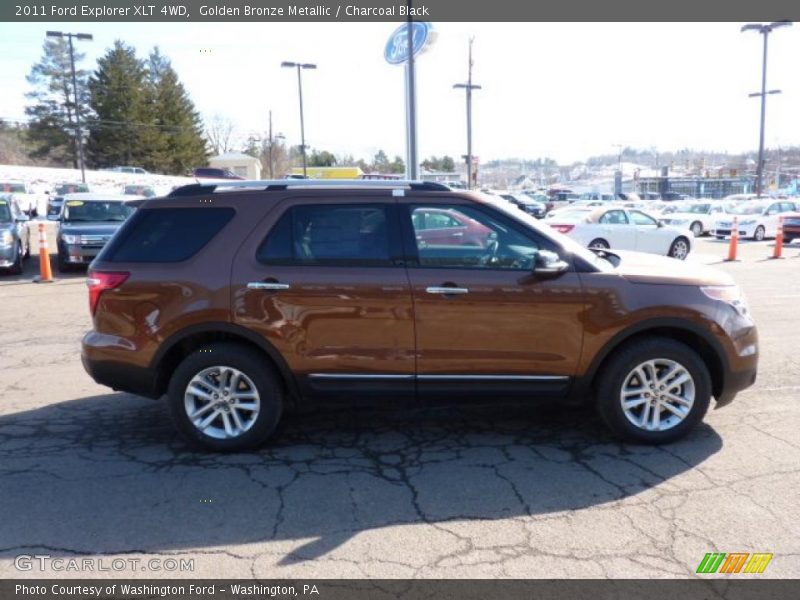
(256,367)
(675,250)
(697,228)
(611,379)
(759,234)
(16,268)
(599,243)
(63,266)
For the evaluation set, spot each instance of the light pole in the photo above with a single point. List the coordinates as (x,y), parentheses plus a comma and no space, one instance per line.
(468,87)
(299,67)
(78,133)
(765,30)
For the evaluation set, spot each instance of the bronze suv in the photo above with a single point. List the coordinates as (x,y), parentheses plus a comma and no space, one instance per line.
(240,300)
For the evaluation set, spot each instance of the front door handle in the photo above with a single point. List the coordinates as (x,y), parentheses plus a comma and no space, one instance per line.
(267,285)
(446,290)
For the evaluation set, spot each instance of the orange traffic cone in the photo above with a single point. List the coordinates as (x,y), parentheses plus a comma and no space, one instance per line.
(778,251)
(734,245)
(45,273)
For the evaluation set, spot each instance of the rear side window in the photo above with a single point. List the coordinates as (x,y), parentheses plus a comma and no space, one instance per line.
(331,234)
(166,234)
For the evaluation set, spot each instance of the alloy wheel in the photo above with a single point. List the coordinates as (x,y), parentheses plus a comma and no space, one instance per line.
(222,402)
(657,394)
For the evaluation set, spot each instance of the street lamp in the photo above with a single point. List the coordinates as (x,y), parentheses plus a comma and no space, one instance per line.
(765,30)
(468,87)
(78,133)
(299,67)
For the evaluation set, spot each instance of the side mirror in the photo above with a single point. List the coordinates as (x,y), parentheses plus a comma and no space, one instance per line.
(549,264)
(660,223)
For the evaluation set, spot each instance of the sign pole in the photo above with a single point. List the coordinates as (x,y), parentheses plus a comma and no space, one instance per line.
(412,164)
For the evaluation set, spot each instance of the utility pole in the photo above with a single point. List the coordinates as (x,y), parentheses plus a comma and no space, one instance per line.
(765,30)
(78,131)
(468,87)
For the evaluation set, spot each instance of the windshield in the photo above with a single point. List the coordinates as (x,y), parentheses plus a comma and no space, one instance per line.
(699,209)
(5,212)
(568,243)
(71,188)
(13,188)
(747,208)
(96,210)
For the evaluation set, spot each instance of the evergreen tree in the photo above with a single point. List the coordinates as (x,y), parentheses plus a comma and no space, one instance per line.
(181,145)
(123,131)
(51,130)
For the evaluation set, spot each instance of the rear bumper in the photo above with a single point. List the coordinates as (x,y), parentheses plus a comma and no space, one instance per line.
(100,359)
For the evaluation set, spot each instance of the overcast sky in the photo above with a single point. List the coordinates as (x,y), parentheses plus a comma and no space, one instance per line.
(566,91)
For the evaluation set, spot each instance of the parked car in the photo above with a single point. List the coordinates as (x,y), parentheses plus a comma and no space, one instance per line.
(56,199)
(85,225)
(525,202)
(15,236)
(133,170)
(791,227)
(577,205)
(27,201)
(270,298)
(434,226)
(214,173)
(698,217)
(145,191)
(624,229)
(756,220)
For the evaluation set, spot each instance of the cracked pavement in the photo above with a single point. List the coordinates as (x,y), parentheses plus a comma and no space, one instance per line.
(442,492)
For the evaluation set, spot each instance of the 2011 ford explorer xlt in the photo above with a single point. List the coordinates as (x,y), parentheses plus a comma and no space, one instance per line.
(243,299)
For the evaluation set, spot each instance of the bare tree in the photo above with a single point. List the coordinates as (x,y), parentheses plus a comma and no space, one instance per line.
(221,134)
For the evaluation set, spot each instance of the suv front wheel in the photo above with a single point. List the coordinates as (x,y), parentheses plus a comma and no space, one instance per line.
(223,397)
(653,391)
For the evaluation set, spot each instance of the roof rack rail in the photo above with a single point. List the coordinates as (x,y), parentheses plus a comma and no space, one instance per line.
(197,189)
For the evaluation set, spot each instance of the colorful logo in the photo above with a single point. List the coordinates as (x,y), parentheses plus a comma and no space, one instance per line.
(734,562)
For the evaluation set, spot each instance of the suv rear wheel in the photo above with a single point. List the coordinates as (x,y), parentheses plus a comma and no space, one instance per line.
(223,397)
(653,391)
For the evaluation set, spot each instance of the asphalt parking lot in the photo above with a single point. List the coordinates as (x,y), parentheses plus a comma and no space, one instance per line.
(469,492)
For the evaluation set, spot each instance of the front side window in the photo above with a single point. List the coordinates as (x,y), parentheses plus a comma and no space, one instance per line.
(639,218)
(483,241)
(329,234)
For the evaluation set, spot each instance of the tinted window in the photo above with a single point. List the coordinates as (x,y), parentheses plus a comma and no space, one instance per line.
(166,234)
(484,242)
(95,210)
(333,234)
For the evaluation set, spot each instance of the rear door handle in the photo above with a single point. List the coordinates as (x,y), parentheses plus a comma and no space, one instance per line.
(446,290)
(265,285)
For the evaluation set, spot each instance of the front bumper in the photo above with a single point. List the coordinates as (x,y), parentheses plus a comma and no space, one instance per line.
(78,254)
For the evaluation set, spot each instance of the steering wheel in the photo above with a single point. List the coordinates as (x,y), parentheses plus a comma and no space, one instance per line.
(492,246)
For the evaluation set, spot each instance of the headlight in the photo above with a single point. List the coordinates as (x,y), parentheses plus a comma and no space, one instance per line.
(729,294)
(6,238)
(70,239)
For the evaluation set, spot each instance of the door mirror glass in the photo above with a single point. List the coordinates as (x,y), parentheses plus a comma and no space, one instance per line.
(549,264)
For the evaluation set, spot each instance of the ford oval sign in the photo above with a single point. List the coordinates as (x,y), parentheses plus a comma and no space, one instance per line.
(396,52)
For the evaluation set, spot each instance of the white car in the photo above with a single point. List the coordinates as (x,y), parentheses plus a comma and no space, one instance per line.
(756,220)
(27,201)
(699,217)
(577,205)
(619,228)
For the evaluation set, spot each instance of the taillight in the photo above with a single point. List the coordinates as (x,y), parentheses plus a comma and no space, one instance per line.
(563,228)
(100,281)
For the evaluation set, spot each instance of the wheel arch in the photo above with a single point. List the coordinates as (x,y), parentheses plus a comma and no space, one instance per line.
(185,341)
(681,330)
